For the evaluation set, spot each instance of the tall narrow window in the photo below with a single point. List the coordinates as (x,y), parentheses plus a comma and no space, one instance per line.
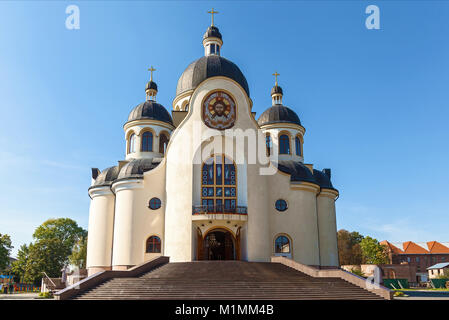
(147,141)
(219,185)
(282,245)
(284,144)
(132,143)
(298,146)
(153,245)
(163,142)
(268,144)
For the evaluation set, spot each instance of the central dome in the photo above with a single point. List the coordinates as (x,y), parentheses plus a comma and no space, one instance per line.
(208,67)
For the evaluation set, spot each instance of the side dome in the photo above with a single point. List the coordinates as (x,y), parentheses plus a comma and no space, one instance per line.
(136,168)
(323,178)
(150,110)
(278,114)
(297,171)
(208,67)
(106,177)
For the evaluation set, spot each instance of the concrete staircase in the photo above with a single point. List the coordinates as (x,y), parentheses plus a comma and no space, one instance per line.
(225,280)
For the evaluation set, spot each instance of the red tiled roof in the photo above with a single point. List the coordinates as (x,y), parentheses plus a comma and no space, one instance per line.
(392,247)
(436,247)
(412,248)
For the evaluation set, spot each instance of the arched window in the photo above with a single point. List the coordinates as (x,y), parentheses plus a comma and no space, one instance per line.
(132,143)
(298,146)
(147,141)
(219,186)
(153,245)
(284,144)
(268,144)
(163,142)
(282,245)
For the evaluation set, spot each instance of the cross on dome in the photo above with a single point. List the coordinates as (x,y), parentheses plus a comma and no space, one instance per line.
(212,12)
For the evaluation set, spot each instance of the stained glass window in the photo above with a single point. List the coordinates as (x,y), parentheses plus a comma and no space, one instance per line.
(217,173)
(155,203)
(282,245)
(281,205)
(153,245)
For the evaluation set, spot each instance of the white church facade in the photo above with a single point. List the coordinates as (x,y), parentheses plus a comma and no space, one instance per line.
(210,181)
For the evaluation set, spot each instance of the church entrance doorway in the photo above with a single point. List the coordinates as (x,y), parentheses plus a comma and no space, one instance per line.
(219,245)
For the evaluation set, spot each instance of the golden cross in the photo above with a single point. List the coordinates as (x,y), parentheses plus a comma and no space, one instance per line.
(151,70)
(275,74)
(212,12)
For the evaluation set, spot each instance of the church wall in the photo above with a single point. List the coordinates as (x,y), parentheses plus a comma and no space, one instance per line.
(101,220)
(299,221)
(327,226)
(185,143)
(135,222)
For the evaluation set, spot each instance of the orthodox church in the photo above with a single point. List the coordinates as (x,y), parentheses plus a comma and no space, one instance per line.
(190,190)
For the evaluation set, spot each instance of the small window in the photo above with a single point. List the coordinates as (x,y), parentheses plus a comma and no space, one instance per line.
(153,245)
(155,203)
(282,245)
(147,141)
(298,146)
(268,144)
(284,144)
(132,143)
(212,48)
(163,142)
(281,205)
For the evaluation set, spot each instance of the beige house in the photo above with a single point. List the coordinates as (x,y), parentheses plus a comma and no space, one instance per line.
(437,270)
(209,181)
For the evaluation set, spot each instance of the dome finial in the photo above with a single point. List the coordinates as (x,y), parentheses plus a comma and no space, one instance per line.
(151,87)
(276,74)
(276,92)
(212,12)
(151,74)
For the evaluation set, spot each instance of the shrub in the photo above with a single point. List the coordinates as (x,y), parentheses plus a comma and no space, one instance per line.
(45,295)
(358,272)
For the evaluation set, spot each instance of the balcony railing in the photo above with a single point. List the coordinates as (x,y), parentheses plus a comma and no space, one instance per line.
(219,210)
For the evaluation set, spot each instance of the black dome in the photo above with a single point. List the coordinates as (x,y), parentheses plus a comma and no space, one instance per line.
(150,110)
(151,85)
(106,177)
(212,31)
(208,67)
(136,168)
(276,89)
(323,179)
(297,170)
(278,114)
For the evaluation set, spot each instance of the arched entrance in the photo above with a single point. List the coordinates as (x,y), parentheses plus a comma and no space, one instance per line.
(219,244)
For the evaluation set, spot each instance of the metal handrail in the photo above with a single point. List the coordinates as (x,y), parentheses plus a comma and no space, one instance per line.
(49,278)
(221,209)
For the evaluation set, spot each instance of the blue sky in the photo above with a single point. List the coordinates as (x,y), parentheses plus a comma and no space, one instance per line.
(373,102)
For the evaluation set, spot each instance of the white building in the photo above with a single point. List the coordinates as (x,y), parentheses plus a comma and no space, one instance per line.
(180,194)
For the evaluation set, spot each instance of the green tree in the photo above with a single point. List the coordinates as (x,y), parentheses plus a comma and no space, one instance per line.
(79,253)
(46,255)
(373,252)
(5,251)
(19,266)
(349,251)
(50,251)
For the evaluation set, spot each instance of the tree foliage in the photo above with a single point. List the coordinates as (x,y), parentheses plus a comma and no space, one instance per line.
(50,251)
(373,251)
(5,251)
(79,253)
(349,251)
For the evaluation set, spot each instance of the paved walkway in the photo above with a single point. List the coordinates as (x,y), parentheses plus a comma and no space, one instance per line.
(19,296)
